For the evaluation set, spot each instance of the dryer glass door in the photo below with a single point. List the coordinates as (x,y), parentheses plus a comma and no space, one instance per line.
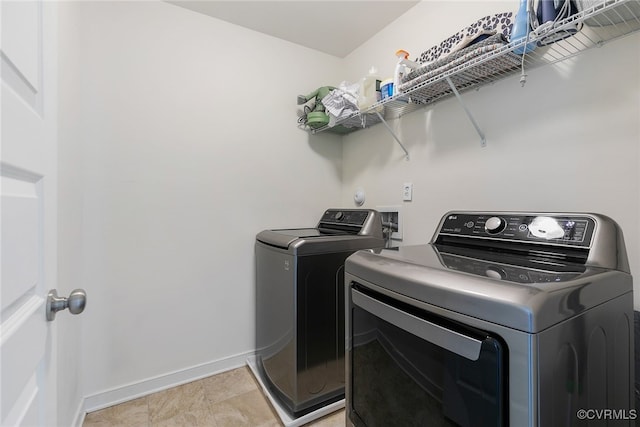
(409,367)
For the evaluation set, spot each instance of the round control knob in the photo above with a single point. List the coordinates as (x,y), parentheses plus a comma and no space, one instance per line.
(495,225)
(338,215)
(495,273)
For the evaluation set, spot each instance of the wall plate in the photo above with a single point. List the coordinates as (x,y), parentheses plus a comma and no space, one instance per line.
(407,191)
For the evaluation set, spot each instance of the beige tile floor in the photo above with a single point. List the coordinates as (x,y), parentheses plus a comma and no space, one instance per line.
(230,399)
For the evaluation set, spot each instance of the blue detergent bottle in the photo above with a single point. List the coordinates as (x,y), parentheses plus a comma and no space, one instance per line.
(520,29)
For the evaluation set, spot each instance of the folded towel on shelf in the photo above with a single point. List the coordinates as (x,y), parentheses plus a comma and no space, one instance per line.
(476,67)
(494,42)
(499,23)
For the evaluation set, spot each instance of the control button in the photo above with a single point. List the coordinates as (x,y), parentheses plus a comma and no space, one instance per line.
(546,227)
(338,215)
(495,225)
(523,227)
(495,273)
(469,224)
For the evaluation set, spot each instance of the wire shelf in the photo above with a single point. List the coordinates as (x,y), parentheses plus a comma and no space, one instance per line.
(596,25)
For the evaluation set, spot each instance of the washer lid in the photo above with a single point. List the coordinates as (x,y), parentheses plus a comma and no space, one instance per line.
(311,241)
(283,238)
(337,230)
(530,295)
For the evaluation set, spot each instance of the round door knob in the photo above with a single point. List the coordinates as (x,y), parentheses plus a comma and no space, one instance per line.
(75,303)
(495,225)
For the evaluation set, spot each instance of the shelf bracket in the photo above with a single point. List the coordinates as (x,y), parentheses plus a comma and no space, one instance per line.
(393,134)
(483,140)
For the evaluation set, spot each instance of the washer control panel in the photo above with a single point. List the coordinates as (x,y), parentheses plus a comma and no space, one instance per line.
(345,217)
(556,229)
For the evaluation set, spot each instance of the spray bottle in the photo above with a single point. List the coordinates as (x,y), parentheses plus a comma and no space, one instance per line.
(403,67)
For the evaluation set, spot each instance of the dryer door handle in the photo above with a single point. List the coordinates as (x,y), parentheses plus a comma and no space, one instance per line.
(448,339)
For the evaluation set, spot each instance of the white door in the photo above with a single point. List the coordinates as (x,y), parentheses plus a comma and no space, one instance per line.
(28,212)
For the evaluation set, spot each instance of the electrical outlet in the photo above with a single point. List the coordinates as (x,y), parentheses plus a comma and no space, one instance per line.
(407,191)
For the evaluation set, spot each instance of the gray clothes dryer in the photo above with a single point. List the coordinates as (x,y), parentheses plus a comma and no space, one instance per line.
(504,318)
(300,306)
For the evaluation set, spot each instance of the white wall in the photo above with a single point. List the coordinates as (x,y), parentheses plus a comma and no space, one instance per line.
(567,141)
(178,144)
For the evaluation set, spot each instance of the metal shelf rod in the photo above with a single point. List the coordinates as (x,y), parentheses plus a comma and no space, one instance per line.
(393,134)
(483,140)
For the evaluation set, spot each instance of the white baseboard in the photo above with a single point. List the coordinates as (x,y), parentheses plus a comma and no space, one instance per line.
(79,416)
(142,388)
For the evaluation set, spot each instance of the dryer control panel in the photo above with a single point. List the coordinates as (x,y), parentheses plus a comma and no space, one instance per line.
(552,229)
